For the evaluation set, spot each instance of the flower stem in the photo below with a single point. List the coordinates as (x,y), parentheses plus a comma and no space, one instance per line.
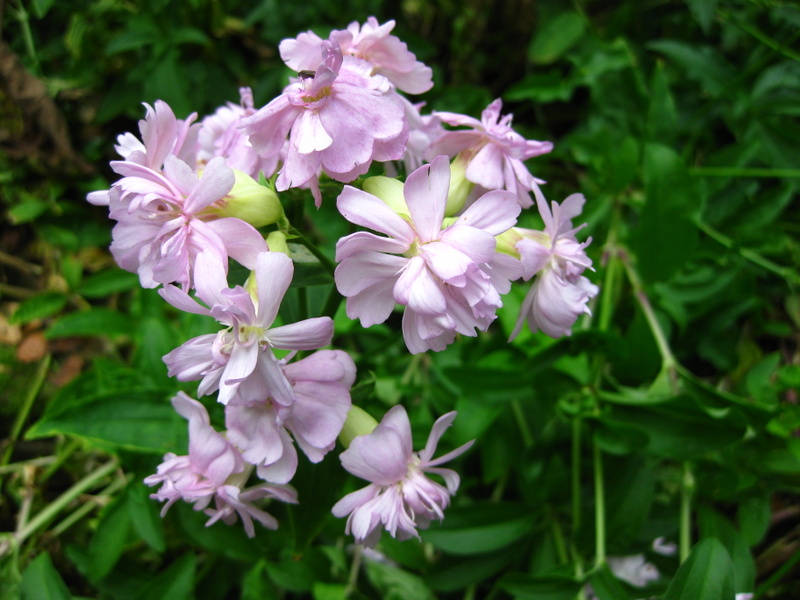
(355,567)
(599,507)
(785,272)
(743,172)
(687,491)
(50,511)
(522,423)
(27,403)
(326,262)
(668,360)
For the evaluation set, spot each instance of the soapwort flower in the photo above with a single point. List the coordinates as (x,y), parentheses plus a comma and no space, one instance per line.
(449,280)
(213,471)
(493,150)
(400,497)
(239,360)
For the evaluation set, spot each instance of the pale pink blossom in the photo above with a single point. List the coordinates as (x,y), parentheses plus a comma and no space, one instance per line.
(495,152)
(449,280)
(163,223)
(338,119)
(371,42)
(400,497)
(213,471)
(560,293)
(261,428)
(162,135)
(221,134)
(239,360)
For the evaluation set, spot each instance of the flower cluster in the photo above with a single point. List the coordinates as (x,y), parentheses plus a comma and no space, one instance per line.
(444,245)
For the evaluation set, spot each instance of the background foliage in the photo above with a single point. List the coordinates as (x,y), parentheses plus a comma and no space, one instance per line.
(672,412)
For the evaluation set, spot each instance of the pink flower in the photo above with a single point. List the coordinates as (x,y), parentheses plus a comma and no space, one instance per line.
(321,384)
(220,134)
(161,225)
(495,151)
(400,497)
(449,280)
(213,470)
(239,360)
(371,42)
(338,117)
(560,293)
(162,135)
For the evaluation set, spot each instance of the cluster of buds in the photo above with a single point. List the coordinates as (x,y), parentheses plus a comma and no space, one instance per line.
(446,249)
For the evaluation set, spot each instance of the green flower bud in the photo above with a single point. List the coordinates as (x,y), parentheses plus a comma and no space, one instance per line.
(359,422)
(390,191)
(460,186)
(249,201)
(276,241)
(507,242)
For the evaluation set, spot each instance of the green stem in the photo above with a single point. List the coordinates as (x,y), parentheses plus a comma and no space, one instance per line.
(761,36)
(576,475)
(599,507)
(51,510)
(685,532)
(88,507)
(27,404)
(780,573)
(558,536)
(522,423)
(42,461)
(327,262)
(754,257)
(743,172)
(668,360)
(355,567)
(62,457)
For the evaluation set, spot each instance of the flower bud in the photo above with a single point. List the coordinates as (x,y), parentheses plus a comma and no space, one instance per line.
(507,242)
(250,201)
(359,422)
(390,191)
(460,186)
(276,241)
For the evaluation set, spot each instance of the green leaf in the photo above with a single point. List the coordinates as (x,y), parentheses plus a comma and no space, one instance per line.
(41,581)
(556,37)
(540,588)
(28,211)
(256,584)
(108,282)
(701,63)
(631,487)
(97,321)
(707,573)
(662,117)
(42,7)
(703,11)
(144,516)
(606,586)
(141,32)
(666,236)
(480,528)
(176,583)
(329,591)
(110,538)
(546,87)
(680,429)
(713,524)
(39,307)
(136,419)
(395,583)
(451,574)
